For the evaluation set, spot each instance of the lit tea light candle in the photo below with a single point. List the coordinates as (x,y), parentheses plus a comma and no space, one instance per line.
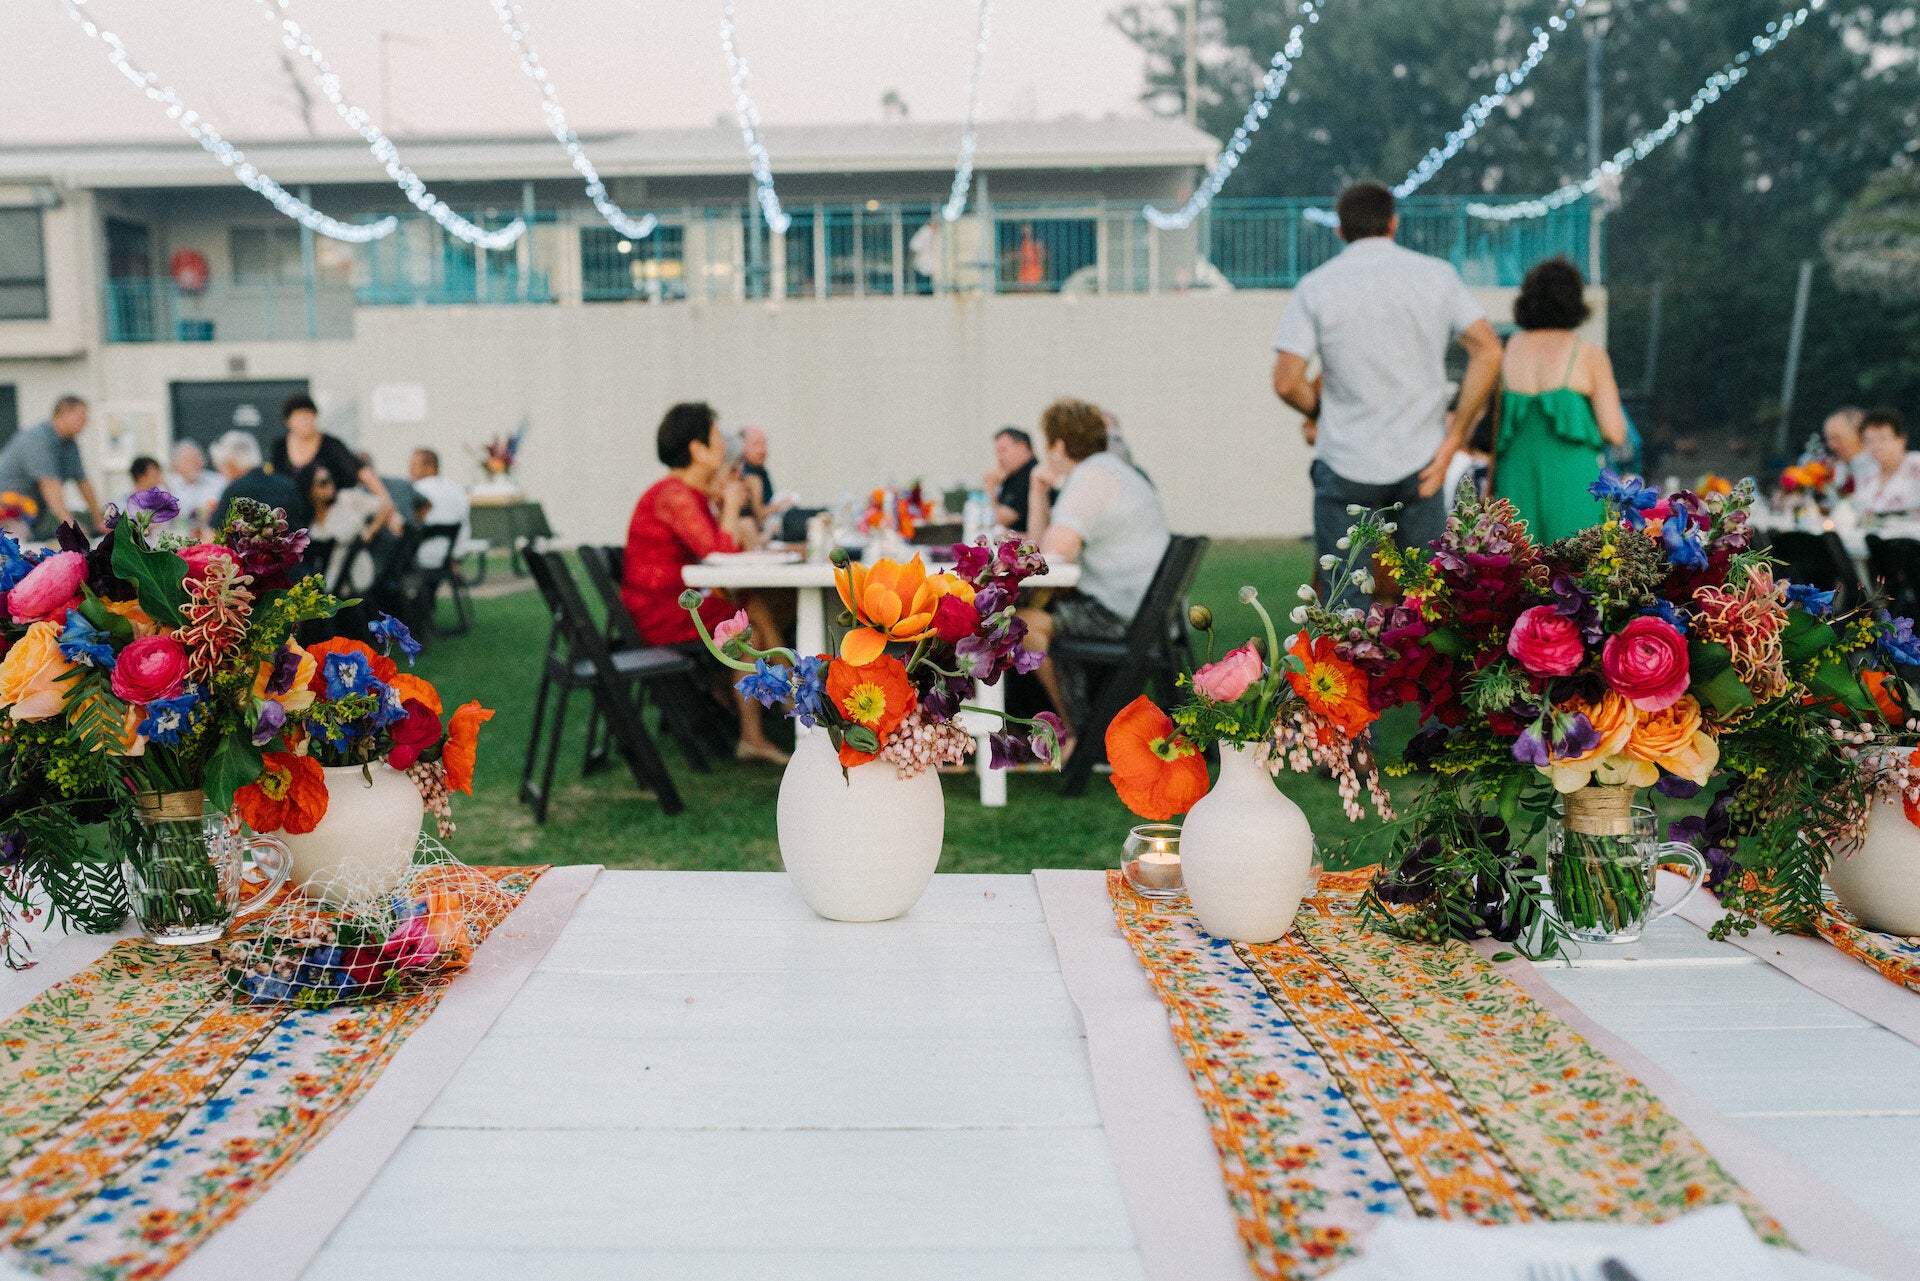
(1152,863)
(1159,869)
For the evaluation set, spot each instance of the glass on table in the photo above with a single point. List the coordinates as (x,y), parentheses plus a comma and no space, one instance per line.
(1151,860)
(1600,872)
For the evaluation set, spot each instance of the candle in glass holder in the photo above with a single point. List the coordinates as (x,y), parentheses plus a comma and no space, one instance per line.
(1153,865)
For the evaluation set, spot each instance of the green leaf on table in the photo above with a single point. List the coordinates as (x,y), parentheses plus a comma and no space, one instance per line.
(158,577)
(235,763)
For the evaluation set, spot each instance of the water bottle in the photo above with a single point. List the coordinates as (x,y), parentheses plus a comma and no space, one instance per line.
(976,521)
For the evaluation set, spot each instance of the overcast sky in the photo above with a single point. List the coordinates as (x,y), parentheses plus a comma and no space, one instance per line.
(615,63)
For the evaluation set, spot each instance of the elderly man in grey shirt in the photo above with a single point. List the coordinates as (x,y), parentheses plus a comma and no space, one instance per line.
(1380,318)
(39,462)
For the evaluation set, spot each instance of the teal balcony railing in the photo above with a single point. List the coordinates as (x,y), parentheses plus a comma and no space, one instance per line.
(836,251)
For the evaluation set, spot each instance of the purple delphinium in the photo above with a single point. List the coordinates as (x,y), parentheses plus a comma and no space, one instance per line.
(1712,834)
(1897,641)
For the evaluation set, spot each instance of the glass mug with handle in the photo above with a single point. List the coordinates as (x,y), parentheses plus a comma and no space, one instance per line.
(1600,871)
(188,868)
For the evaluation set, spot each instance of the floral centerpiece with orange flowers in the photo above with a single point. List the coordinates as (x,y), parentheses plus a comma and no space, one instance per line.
(909,508)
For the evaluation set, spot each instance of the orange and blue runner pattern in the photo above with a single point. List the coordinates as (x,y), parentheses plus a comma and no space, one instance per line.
(1348,1075)
(142,1107)
(1896,958)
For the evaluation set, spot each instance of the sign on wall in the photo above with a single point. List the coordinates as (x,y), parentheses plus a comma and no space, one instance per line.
(399,403)
(128,430)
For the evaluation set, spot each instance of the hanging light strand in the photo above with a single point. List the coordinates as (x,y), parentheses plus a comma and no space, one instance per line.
(243,170)
(1708,94)
(749,116)
(1229,158)
(969,130)
(514,25)
(298,42)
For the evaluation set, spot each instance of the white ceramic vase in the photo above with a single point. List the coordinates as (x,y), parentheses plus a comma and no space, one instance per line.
(1246,852)
(860,845)
(1880,881)
(364,846)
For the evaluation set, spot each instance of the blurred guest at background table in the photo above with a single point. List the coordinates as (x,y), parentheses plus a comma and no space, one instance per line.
(38,462)
(1011,477)
(1559,408)
(306,449)
(1108,520)
(147,473)
(440,502)
(675,525)
(753,470)
(400,493)
(236,456)
(1853,466)
(1895,484)
(1118,447)
(197,488)
(347,518)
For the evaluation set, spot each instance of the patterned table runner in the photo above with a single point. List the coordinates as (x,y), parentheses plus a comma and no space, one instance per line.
(143,1108)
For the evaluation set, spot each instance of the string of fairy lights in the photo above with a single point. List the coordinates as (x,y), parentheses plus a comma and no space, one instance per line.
(296,41)
(970,128)
(748,114)
(244,171)
(514,24)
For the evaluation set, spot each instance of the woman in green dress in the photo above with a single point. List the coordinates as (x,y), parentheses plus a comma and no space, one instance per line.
(1559,407)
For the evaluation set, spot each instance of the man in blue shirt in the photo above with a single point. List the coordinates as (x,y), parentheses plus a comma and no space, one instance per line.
(38,463)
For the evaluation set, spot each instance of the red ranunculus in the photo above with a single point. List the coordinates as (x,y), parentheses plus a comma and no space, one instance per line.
(1546,642)
(413,734)
(151,668)
(954,619)
(1646,662)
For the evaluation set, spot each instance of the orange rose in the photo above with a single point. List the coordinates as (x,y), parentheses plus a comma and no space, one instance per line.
(30,684)
(1673,740)
(1613,718)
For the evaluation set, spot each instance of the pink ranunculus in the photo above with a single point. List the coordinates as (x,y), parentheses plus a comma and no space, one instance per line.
(151,668)
(1646,663)
(730,628)
(1546,642)
(1232,676)
(198,554)
(48,588)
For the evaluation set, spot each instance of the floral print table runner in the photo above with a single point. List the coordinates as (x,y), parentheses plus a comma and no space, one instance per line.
(1895,957)
(142,1107)
(1347,1074)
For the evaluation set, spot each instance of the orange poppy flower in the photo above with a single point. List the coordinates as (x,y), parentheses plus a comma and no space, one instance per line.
(290,794)
(1883,698)
(407,685)
(384,668)
(1331,686)
(1157,771)
(891,602)
(877,695)
(463,744)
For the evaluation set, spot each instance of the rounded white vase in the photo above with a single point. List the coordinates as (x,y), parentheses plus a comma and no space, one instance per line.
(1880,881)
(1246,852)
(859,844)
(364,846)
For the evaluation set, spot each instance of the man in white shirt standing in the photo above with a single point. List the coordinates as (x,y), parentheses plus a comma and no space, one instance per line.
(443,502)
(1380,318)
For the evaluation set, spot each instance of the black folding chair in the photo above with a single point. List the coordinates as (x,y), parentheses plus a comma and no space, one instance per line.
(1156,648)
(1894,564)
(438,543)
(578,658)
(1820,560)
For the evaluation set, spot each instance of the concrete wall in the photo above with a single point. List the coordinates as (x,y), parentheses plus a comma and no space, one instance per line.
(855,393)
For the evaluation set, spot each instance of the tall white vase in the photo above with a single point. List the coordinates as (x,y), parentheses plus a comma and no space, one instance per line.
(364,846)
(860,845)
(1246,853)
(1880,881)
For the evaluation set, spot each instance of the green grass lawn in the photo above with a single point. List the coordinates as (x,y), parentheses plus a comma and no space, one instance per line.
(729,819)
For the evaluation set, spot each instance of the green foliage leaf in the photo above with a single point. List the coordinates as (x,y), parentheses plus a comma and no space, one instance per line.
(158,577)
(1834,680)
(1445,640)
(235,763)
(1806,636)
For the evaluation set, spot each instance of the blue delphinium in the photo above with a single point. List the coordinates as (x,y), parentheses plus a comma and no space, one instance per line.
(809,690)
(766,684)
(1631,495)
(1897,641)
(1685,546)
(347,674)
(82,642)
(1810,598)
(168,719)
(389,632)
(1666,609)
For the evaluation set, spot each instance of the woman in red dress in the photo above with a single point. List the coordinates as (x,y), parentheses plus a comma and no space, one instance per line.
(674,526)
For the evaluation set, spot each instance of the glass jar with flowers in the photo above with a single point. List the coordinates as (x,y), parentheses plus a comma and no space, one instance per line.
(861,815)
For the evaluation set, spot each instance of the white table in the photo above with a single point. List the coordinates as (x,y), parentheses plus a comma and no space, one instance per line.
(703,1080)
(813,580)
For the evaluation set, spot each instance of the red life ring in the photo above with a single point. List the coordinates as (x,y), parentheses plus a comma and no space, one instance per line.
(189,271)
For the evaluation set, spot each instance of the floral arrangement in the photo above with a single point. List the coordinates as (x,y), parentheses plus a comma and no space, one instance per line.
(1814,474)
(917,645)
(1656,649)
(17,511)
(498,456)
(1311,709)
(909,509)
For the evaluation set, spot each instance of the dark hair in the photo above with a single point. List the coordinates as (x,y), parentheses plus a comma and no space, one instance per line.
(432,456)
(143,463)
(1553,296)
(314,476)
(1015,433)
(1077,425)
(1365,209)
(685,423)
(295,403)
(1886,416)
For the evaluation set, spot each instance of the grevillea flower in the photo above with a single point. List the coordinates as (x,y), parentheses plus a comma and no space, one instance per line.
(1330,686)
(891,602)
(1748,622)
(290,795)
(876,696)
(216,613)
(1157,771)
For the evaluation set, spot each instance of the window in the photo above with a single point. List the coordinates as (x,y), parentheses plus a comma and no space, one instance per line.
(613,267)
(23,266)
(265,255)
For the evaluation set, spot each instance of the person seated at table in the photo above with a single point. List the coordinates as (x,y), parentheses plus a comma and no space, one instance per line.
(438,501)
(306,449)
(675,525)
(1895,487)
(1852,464)
(147,473)
(237,458)
(347,518)
(1108,520)
(753,470)
(1011,477)
(190,481)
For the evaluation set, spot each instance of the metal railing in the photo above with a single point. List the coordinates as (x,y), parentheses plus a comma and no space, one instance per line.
(876,249)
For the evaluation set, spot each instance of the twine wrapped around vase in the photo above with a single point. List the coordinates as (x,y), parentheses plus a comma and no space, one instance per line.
(1600,810)
(171,807)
